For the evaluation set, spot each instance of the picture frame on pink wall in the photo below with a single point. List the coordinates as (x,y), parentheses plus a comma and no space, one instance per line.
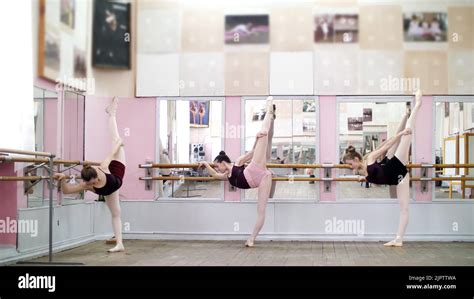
(111,35)
(199,114)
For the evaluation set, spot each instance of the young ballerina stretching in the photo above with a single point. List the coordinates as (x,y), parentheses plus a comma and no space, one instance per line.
(392,170)
(105,179)
(256,174)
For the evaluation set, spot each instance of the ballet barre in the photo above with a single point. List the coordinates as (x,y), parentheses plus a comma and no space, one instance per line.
(48,163)
(45,160)
(22,178)
(269,165)
(327,165)
(326,178)
(298,179)
(23,152)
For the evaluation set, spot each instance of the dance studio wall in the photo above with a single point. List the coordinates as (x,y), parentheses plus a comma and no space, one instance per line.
(107,82)
(181,50)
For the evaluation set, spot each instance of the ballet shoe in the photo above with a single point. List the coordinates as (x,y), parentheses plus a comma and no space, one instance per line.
(112,108)
(249,243)
(117,248)
(397,242)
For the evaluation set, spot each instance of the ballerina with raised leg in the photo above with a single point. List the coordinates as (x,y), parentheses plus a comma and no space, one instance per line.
(392,170)
(105,179)
(253,175)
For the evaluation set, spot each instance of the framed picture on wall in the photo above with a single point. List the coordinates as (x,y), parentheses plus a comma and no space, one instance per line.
(246,29)
(367,114)
(62,44)
(425,26)
(199,114)
(324,28)
(111,34)
(309,106)
(336,28)
(68,12)
(355,123)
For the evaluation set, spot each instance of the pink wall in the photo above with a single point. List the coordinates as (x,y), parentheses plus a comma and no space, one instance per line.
(327,141)
(232,144)
(424,132)
(8,202)
(136,120)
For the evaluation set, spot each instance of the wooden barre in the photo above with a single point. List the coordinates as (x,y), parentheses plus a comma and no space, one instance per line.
(297,179)
(45,160)
(22,152)
(22,178)
(274,165)
(269,165)
(207,178)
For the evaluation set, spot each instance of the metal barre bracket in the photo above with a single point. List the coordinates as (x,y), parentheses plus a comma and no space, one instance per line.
(148,173)
(424,177)
(327,176)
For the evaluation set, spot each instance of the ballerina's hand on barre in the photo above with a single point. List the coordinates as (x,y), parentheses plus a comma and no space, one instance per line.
(59,176)
(202,164)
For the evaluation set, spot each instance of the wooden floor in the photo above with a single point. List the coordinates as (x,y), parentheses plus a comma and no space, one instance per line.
(267,253)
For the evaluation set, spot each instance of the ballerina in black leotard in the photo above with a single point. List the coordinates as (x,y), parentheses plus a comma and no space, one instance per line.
(392,170)
(105,179)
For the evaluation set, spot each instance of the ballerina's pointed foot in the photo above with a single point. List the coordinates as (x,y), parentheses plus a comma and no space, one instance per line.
(249,243)
(118,248)
(112,108)
(397,242)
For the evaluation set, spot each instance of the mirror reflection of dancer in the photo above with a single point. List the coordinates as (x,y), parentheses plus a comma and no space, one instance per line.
(105,179)
(392,170)
(254,175)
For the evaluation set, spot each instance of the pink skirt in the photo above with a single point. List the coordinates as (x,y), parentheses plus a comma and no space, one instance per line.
(254,174)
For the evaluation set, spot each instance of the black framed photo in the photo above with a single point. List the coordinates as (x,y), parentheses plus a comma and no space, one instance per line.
(111,34)
(247,29)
